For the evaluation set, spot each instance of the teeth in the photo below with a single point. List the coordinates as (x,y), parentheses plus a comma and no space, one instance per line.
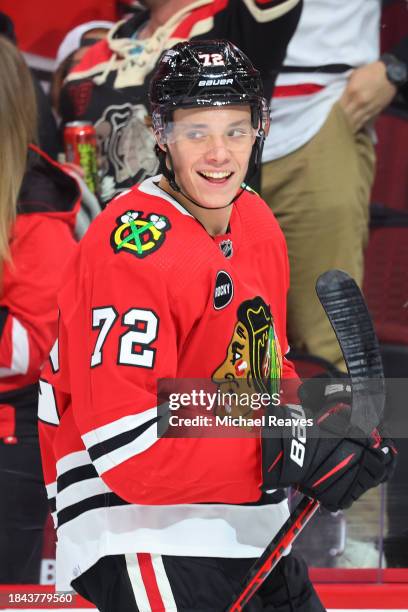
(216,175)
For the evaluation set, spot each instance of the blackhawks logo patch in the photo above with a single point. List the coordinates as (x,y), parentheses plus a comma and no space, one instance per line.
(139,235)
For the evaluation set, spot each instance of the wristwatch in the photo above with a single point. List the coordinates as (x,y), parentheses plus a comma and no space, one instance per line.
(397,71)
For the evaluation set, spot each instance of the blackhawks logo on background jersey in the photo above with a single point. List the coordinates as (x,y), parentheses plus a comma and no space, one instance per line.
(138,235)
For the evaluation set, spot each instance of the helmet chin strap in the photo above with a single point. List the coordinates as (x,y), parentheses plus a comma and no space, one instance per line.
(169,174)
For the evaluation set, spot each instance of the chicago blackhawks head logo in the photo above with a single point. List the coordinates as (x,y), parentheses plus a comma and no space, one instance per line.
(138,235)
(254,361)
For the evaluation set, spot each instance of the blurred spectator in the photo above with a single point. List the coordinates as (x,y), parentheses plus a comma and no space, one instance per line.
(72,49)
(38,203)
(109,87)
(41,25)
(319,157)
(47,128)
(69,54)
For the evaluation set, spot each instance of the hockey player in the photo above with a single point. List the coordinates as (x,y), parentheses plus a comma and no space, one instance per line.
(182,277)
(110,85)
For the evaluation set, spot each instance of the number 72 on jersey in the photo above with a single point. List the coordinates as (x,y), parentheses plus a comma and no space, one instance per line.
(134,344)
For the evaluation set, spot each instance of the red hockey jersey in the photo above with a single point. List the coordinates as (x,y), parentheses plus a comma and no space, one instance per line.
(41,243)
(151,295)
(109,87)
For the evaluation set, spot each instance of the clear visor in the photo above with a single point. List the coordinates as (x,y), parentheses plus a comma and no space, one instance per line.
(236,136)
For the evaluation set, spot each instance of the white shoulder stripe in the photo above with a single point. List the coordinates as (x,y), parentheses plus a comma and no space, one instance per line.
(127,423)
(118,456)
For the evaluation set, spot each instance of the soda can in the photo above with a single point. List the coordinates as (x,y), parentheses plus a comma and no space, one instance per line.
(80,149)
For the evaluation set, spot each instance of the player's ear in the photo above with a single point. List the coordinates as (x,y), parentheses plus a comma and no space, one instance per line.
(157,133)
(160,151)
(160,139)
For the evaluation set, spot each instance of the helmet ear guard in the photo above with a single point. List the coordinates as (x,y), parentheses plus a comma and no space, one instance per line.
(265,118)
(263,131)
(164,155)
(260,115)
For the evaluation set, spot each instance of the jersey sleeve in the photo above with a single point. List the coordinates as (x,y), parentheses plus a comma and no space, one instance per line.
(260,28)
(28,307)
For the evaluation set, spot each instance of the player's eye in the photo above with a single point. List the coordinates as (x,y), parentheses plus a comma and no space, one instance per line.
(236,352)
(195,135)
(240,132)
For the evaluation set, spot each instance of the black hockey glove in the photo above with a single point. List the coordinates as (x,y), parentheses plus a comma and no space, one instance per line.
(320,453)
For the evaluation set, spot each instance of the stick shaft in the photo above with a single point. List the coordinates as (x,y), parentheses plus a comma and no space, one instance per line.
(274,551)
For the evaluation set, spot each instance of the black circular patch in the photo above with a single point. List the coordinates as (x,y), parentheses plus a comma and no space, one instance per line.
(224,290)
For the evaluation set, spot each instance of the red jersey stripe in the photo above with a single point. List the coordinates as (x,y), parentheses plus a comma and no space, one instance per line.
(150,582)
(209,11)
(303,89)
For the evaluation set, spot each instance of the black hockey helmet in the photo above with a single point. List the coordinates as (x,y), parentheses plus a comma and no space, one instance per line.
(202,73)
(206,73)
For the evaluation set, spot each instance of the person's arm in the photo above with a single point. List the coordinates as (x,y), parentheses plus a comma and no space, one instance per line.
(261,29)
(371,88)
(40,247)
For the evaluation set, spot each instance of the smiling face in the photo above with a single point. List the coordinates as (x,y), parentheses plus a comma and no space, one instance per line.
(210,150)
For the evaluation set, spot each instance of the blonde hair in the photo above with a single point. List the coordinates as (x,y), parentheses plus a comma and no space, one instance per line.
(18,126)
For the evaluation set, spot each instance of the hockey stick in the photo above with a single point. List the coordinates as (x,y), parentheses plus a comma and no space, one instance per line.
(347,312)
